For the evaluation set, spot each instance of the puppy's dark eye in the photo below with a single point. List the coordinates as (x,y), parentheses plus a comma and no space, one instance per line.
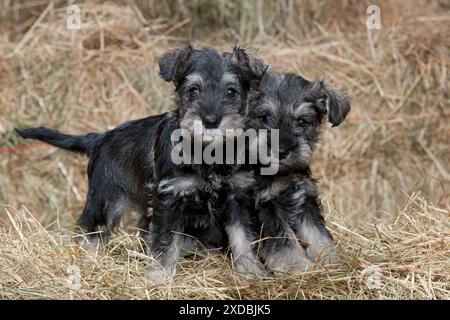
(301,123)
(194,91)
(231,92)
(265,118)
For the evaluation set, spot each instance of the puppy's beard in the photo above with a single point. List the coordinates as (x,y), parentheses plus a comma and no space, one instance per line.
(194,126)
(211,135)
(298,158)
(233,121)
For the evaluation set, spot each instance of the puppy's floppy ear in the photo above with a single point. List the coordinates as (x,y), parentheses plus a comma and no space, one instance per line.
(333,101)
(252,65)
(171,62)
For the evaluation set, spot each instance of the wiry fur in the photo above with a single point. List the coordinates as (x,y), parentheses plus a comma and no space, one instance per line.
(287,203)
(193,198)
(132,165)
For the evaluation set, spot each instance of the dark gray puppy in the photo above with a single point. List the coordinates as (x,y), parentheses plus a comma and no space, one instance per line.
(131,165)
(287,202)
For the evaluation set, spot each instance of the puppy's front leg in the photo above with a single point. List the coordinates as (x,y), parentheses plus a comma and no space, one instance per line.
(164,257)
(280,249)
(165,239)
(244,259)
(242,254)
(313,231)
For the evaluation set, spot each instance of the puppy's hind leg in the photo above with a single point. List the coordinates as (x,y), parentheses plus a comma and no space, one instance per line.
(100,218)
(91,222)
(114,211)
(144,221)
(143,226)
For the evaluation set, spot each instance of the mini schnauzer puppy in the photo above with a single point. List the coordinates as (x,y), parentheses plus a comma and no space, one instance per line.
(131,165)
(212,92)
(287,202)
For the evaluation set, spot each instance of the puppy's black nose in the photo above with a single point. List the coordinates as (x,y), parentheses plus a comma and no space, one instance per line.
(211,121)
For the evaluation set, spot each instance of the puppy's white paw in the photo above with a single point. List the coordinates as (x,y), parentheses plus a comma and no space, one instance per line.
(303,265)
(249,266)
(289,260)
(330,257)
(324,255)
(160,276)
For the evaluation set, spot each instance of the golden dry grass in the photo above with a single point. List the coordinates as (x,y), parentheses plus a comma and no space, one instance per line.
(384,174)
(404,260)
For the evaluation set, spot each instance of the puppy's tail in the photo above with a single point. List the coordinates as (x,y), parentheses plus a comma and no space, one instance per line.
(82,144)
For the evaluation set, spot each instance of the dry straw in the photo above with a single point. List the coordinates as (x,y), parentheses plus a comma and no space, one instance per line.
(407,259)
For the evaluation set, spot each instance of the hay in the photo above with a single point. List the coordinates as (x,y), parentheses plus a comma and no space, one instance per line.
(407,259)
(388,166)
